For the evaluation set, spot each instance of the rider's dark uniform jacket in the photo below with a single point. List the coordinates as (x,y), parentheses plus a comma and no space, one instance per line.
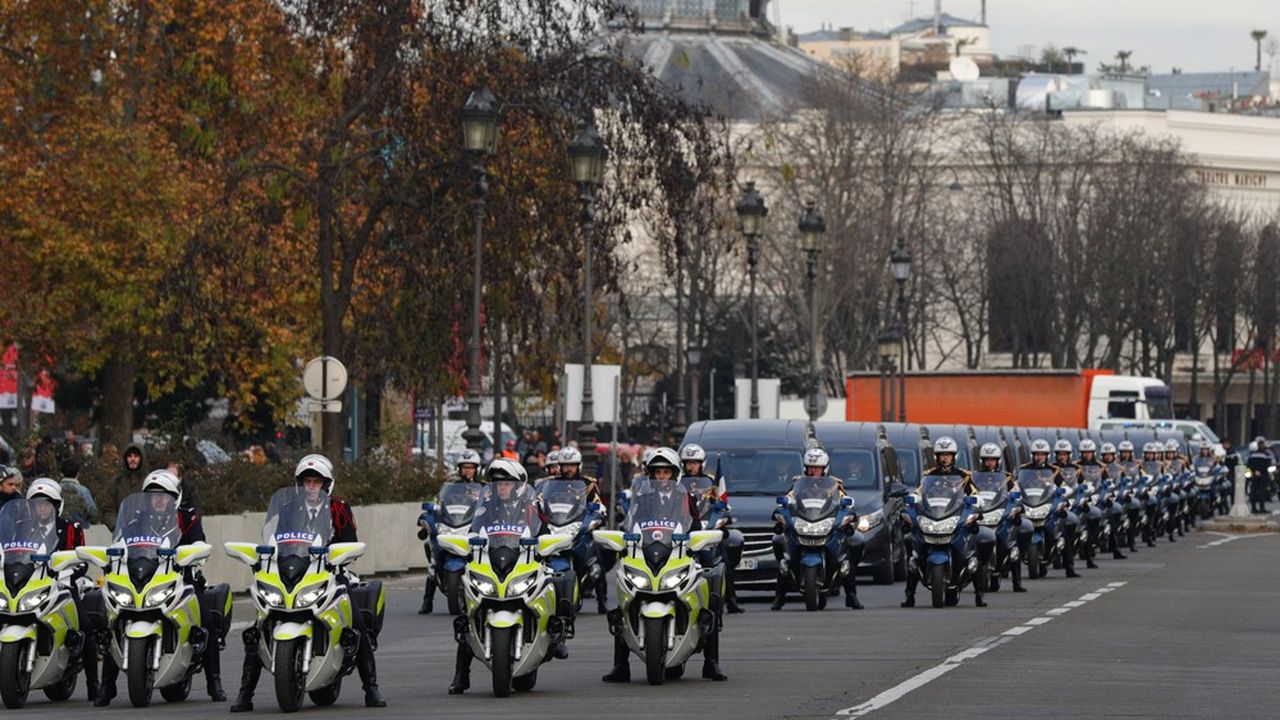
(190,525)
(593,486)
(938,470)
(676,493)
(344,522)
(1057,476)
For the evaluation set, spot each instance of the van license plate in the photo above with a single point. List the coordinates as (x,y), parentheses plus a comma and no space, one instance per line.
(748,564)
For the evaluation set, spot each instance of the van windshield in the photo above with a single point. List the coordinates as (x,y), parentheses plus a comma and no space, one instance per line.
(856,468)
(759,472)
(909,460)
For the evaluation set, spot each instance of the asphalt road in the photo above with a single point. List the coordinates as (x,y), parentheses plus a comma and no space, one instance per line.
(1182,630)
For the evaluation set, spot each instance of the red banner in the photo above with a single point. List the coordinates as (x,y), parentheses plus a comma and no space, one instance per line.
(9,378)
(1252,359)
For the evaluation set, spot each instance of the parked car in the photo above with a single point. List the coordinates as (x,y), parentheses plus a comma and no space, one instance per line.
(862,456)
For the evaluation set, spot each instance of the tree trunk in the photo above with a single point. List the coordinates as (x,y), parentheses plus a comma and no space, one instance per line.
(119,375)
(333,427)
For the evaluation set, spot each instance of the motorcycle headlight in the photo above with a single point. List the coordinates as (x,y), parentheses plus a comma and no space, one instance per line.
(1038,512)
(675,578)
(33,600)
(570,529)
(870,520)
(822,527)
(940,527)
(993,517)
(638,578)
(522,584)
(310,595)
(120,595)
(158,596)
(270,595)
(481,584)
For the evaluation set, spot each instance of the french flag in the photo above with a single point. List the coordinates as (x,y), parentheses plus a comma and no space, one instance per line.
(722,490)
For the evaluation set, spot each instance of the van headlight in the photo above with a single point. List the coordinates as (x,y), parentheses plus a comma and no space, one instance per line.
(310,595)
(160,595)
(675,578)
(522,584)
(270,595)
(822,527)
(870,520)
(33,600)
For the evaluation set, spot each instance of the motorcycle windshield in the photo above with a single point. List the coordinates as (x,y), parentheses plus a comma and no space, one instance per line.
(941,496)
(1036,485)
(564,500)
(815,498)
(658,511)
(1204,462)
(993,490)
(27,528)
(703,490)
(147,523)
(1152,468)
(458,502)
(297,520)
(1091,474)
(1070,475)
(508,511)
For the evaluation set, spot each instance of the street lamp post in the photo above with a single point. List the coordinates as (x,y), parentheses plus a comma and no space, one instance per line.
(812,228)
(886,348)
(586,159)
(480,139)
(694,356)
(678,427)
(751,213)
(900,263)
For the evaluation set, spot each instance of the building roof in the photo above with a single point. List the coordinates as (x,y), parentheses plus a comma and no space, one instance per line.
(921,24)
(738,75)
(845,34)
(1221,84)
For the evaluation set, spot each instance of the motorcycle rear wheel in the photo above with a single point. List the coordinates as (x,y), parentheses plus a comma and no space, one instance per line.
(501,639)
(655,650)
(140,678)
(15,681)
(811,589)
(290,682)
(938,584)
(453,593)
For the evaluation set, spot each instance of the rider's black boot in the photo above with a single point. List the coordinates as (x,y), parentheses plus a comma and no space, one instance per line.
(711,659)
(461,670)
(621,671)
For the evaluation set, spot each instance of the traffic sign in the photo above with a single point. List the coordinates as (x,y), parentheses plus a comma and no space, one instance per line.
(324,378)
(329,406)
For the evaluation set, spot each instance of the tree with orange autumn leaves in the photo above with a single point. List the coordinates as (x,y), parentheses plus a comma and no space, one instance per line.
(219,189)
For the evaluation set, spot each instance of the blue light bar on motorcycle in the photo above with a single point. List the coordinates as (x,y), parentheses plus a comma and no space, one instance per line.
(321,550)
(40,558)
(265,550)
(680,537)
(631,537)
(167,552)
(528,542)
(477,541)
(115,552)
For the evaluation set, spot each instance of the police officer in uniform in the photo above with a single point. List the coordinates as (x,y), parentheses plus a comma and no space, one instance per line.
(693,460)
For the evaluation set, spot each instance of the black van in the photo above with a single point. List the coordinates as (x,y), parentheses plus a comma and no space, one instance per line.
(759,459)
(915,450)
(862,456)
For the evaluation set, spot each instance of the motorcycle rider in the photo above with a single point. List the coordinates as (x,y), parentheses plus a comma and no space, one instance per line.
(945,450)
(506,478)
(570,468)
(817,463)
(1174,460)
(1040,461)
(467,467)
(1089,457)
(1107,457)
(693,460)
(166,492)
(1126,459)
(662,467)
(1258,483)
(314,473)
(62,534)
(989,459)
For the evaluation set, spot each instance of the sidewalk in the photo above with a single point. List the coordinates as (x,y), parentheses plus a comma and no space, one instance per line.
(1249,524)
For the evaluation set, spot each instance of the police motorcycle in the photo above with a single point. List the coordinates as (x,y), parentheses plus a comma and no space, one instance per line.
(944,530)
(1156,498)
(41,644)
(666,598)
(510,621)
(1208,479)
(1109,500)
(153,615)
(568,512)
(451,515)
(1046,506)
(1002,519)
(816,520)
(302,595)
(1083,485)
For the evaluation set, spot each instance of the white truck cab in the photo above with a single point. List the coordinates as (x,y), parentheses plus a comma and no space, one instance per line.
(1128,397)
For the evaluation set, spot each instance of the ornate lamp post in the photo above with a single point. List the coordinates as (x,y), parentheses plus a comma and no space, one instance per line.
(812,228)
(900,263)
(586,159)
(887,343)
(751,214)
(480,139)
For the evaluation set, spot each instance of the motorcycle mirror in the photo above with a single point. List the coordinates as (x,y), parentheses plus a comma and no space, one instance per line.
(781,501)
(429,507)
(1061,492)
(1017,496)
(898,490)
(911,501)
(597,508)
(846,502)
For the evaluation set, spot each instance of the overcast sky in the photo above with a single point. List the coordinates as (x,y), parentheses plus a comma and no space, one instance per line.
(1194,35)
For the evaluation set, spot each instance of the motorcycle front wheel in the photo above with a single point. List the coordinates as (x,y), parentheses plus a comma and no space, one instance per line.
(140,677)
(655,648)
(453,593)
(938,584)
(15,681)
(811,589)
(501,641)
(290,681)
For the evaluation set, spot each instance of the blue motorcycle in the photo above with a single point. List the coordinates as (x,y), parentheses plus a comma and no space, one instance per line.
(452,515)
(816,521)
(944,533)
(568,512)
(1046,506)
(1002,526)
(1207,478)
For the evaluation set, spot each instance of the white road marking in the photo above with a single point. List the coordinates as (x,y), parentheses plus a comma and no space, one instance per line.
(1230,538)
(915,682)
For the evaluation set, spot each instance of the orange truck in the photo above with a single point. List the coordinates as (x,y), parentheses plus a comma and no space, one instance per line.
(1020,398)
